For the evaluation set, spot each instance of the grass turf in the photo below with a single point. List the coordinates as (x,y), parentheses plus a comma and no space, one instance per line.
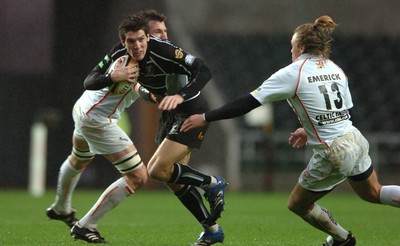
(158,219)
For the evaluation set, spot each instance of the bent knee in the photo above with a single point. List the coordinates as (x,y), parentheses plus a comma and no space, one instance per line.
(159,173)
(136,178)
(78,163)
(291,207)
(295,208)
(300,208)
(155,173)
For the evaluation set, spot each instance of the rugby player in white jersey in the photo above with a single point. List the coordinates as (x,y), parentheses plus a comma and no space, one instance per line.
(89,115)
(317,89)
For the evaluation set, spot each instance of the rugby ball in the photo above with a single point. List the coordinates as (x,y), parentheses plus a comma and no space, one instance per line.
(123,86)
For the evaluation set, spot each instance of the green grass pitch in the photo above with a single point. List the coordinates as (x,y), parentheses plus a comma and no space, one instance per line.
(157,218)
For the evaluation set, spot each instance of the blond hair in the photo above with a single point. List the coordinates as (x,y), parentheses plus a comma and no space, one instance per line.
(316,38)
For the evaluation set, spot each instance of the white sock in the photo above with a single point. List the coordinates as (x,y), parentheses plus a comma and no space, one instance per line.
(390,195)
(111,197)
(68,178)
(212,228)
(322,219)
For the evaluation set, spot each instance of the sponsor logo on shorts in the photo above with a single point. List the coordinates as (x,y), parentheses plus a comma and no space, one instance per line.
(174,129)
(200,136)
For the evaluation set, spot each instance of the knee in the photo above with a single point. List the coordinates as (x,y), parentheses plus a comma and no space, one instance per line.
(299,208)
(293,207)
(136,178)
(141,179)
(157,172)
(79,164)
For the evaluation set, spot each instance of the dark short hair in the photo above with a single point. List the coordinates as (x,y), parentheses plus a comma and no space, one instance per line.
(132,23)
(152,15)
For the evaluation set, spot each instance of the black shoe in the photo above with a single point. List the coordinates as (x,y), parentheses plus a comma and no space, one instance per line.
(90,235)
(68,219)
(350,241)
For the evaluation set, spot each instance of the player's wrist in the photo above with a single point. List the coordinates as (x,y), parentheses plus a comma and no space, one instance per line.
(108,79)
(145,94)
(204,117)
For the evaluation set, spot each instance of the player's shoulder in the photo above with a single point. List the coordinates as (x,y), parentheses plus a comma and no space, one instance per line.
(159,45)
(117,51)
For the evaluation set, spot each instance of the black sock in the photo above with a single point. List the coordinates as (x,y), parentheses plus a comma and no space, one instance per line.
(192,200)
(183,174)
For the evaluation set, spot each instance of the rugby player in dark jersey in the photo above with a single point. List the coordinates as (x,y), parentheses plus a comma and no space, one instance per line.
(160,62)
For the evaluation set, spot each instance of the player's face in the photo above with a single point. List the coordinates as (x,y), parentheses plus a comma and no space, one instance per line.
(136,44)
(296,50)
(158,29)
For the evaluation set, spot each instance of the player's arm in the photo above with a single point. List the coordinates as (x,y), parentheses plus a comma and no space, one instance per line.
(98,78)
(233,109)
(198,72)
(145,94)
(200,75)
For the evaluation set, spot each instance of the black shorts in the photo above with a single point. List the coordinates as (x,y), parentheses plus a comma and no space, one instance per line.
(170,125)
(171,122)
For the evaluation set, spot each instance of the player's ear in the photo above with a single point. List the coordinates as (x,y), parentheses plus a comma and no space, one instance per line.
(122,42)
(302,49)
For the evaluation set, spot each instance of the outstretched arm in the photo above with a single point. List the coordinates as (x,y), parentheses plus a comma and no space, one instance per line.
(233,109)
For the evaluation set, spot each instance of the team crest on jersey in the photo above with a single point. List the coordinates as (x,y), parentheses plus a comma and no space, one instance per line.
(178,54)
(320,64)
(149,70)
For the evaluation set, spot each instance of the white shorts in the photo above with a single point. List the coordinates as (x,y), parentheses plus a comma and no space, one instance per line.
(347,156)
(102,137)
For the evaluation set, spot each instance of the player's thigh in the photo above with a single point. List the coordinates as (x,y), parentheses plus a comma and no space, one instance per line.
(128,151)
(79,143)
(167,153)
(80,155)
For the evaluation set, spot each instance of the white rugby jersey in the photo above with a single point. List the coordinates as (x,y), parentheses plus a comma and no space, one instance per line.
(102,105)
(318,92)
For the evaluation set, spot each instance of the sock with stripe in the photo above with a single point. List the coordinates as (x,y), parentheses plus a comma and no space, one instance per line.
(111,197)
(183,174)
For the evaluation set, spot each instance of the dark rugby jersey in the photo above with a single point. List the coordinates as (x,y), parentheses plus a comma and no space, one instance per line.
(159,72)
